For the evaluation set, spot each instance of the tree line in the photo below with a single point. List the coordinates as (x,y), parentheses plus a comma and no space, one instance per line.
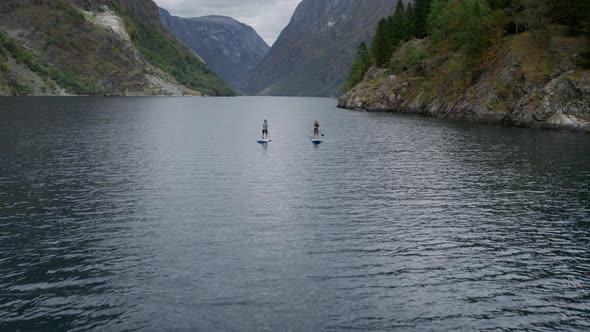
(470,25)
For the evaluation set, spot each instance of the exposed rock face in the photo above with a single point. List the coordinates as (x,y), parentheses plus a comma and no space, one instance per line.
(84,47)
(312,55)
(530,88)
(230,48)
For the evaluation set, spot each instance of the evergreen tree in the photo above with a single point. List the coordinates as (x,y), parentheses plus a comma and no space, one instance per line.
(363,54)
(501,4)
(585,29)
(358,68)
(381,46)
(575,14)
(461,23)
(533,14)
(390,29)
(399,25)
(421,10)
(473,34)
(439,21)
(411,22)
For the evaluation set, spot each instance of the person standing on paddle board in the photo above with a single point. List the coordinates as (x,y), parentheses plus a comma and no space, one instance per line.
(265,129)
(316,129)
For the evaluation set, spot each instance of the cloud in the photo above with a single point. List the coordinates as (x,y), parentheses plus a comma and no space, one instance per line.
(267,17)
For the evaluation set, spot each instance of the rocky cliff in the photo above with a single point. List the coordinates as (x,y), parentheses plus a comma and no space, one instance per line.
(312,55)
(230,48)
(524,82)
(96,47)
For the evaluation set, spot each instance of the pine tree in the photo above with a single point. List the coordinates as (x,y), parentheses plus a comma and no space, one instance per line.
(534,14)
(358,68)
(585,29)
(574,14)
(390,29)
(399,25)
(501,4)
(422,10)
(381,45)
(411,22)
(363,54)
(474,35)
(462,24)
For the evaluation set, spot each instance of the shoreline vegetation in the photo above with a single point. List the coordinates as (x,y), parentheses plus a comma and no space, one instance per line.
(514,62)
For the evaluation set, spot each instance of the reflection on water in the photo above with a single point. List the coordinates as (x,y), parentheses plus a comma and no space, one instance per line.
(154,213)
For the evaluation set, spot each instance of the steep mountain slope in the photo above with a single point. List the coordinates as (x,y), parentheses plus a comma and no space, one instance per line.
(230,48)
(96,47)
(312,55)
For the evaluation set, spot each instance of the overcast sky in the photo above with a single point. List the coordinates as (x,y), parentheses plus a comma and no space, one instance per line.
(267,17)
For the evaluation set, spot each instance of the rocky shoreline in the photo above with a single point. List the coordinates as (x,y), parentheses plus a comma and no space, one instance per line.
(516,89)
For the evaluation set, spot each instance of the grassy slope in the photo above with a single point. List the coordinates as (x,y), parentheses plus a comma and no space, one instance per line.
(70,82)
(68,49)
(168,53)
(160,48)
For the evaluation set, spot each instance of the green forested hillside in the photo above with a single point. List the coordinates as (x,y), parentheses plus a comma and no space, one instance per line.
(471,27)
(518,62)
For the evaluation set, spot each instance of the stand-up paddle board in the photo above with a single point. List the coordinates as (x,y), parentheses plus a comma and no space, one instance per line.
(316,141)
(263,141)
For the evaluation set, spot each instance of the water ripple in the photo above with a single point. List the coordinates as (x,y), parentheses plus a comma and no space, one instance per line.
(136,214)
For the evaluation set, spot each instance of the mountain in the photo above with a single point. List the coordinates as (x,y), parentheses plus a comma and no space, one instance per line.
(230,48)
(96,47)
(312,55)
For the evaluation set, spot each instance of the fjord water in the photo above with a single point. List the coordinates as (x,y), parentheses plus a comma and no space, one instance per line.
(164,213)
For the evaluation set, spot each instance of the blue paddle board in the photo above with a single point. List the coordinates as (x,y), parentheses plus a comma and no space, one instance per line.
(263,141)
(316,141)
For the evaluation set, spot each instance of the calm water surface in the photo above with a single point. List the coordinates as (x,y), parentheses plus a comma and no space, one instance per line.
(164,213)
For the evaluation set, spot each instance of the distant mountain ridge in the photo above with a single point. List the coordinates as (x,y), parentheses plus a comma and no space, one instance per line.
(230,48)
(312,55)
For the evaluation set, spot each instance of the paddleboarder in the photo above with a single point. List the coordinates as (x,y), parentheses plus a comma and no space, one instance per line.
(265,129)
(316,129)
